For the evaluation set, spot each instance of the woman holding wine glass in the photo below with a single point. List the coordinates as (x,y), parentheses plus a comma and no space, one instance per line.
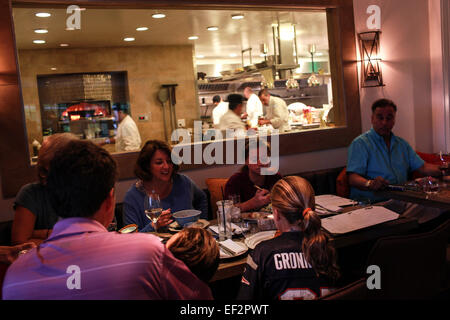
(159,180)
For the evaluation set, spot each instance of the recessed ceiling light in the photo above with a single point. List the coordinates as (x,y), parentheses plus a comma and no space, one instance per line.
(41,31)
(53,69)
(237,16)
(200,56)
(43,14)
(213,28)
(193,38)
(64,45)
(39,41)
(129,39)
(142,29)
(158,15)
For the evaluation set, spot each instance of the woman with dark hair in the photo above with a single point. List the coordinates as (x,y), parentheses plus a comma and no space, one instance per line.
(252,187)
(298,264)
(197,248)
(34,217)
(157,174)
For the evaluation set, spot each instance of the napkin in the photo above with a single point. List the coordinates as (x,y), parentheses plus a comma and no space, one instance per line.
(233,247)
(235,228)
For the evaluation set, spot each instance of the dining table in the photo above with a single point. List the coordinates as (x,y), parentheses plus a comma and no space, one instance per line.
(439,199)
(234,266)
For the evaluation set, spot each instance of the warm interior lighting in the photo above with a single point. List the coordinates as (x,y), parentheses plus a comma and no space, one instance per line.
(39,41)
(142,29)
(41,31)
(43,14)
(75,117)
(369,48)
(64,45)
(237,16)
(158,15)
(213,28)
(200,56)
(193,38)
(129,39)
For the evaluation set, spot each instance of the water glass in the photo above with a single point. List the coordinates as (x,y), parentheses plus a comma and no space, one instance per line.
(224,209)
(236,211)
(430,185)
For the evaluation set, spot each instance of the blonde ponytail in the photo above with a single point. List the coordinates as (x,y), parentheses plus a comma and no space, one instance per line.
(294,198)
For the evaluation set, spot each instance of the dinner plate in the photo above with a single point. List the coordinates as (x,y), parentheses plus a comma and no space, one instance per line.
(255,216)
(256,238)
(200,223)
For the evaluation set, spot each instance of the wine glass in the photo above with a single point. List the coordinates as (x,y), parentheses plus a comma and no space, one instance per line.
(443,165)
(153,208)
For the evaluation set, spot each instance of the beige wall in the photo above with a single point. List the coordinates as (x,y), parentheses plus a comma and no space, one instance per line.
(405,50)
(148,68)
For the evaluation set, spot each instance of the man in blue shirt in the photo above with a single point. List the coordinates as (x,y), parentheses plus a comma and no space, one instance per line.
(378,158)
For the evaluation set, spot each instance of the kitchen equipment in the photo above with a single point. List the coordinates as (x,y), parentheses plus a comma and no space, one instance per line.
(163,96)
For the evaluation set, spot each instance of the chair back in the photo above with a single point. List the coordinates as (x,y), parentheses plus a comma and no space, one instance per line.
(411,266)
(3,268)
(342,185)
(215,187)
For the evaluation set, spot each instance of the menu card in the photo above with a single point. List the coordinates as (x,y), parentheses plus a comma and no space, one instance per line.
(332,202)
(358,219)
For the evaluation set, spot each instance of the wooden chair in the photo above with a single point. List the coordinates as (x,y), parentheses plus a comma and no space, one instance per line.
(412,266)
(215,187)
(342,185)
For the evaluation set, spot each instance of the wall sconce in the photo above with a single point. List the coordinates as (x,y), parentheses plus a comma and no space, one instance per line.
(369,48)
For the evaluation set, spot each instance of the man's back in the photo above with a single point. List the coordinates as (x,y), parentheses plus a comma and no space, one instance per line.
(81,260)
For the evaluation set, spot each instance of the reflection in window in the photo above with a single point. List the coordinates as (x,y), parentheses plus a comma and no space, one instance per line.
(72,78)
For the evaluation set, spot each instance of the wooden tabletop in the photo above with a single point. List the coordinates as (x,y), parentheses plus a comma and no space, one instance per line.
(438,200)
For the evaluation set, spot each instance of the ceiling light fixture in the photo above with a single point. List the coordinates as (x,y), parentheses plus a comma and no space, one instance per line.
(64,45)
(142,29)
(237,16)
(158,15)
(43,14)
(39,41)
(41,31)
(193,38)
(53,68)
(213,28)
(129,39)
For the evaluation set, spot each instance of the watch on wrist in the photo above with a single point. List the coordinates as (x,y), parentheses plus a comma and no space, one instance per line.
(368,183)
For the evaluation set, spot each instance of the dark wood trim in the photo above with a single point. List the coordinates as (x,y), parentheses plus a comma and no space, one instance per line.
(15,166)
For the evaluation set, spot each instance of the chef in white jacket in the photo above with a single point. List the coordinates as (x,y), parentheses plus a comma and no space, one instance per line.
(254,107)
(232,118)
(220,108)
(127,137)
(277,112)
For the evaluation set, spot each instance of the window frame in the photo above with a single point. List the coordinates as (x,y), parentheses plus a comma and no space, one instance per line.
(15,166)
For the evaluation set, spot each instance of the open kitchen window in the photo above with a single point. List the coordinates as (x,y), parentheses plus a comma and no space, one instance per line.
(76,66)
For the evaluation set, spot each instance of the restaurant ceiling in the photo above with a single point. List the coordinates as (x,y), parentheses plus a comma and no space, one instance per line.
(108,28)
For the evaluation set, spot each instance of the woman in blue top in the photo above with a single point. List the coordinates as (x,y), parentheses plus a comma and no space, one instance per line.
(157,173)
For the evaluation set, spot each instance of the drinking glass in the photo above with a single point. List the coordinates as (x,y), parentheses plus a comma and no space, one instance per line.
(430,186)
(236,210)
(443,165)
(153,208)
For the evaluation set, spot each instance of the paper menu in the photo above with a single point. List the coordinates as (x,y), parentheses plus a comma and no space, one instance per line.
(358,219)
(333,202)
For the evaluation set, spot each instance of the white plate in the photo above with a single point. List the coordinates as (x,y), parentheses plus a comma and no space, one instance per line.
(200,223)
(225,255)
(256,238)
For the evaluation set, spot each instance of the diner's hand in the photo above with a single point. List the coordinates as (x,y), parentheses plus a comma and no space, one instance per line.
(9,254)
(164,219)
(262,122)
(244,115)
(261,198)
(378,183)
